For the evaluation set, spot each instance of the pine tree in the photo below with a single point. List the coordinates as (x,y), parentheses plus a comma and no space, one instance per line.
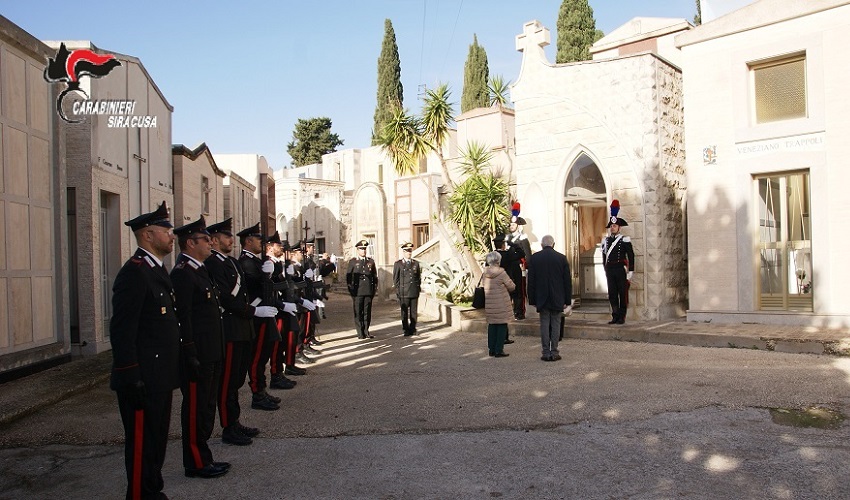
(311,139)
(576,31)
(390,90)
(475,78)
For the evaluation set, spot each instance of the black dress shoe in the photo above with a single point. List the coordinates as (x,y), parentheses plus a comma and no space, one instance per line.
(556,357)
(613,321)
(545,358)
(491,353)
(315,342)
(281,383)
(222,465)
(264,404)
(369,336)
(248,431)
(621,321)
(274,399)
(294,371)
(207,472)
(231,435)
(501,355)
(509,341)
(302,358)
(310,350)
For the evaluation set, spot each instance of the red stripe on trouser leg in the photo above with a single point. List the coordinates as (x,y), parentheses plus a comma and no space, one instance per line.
(307,323)
(291,339)
(261,339)
(193,424)
(138,444)
(225,384)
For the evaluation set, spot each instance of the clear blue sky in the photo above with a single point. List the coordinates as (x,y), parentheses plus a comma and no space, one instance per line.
(239,74)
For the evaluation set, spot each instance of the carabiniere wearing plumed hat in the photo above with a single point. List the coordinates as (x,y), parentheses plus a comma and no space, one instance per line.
(618,256)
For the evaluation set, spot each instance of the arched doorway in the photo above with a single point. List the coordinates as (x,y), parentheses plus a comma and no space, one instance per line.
(586,212)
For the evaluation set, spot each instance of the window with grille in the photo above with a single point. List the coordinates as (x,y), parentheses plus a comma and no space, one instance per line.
(779,89)
(784,245)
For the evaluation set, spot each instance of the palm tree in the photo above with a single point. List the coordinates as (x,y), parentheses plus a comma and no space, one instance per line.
(479,203)
(499,90)
(436,118)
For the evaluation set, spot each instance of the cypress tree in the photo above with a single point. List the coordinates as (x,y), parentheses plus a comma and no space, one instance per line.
(475,77)
(390,90)
(576,31)
(698,16)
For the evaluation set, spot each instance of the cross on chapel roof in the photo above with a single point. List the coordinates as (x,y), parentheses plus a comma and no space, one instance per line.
(533,38)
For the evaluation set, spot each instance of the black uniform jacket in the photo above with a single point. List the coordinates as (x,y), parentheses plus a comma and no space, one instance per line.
(407,278)
(255,279)
(621,251)
(144,330)
(238,312)
(362,277)
(512,263)
(198,310)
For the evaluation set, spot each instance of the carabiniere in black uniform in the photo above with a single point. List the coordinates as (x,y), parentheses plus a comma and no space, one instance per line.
(362,280)
(145,337)
(203,349)
(617,255)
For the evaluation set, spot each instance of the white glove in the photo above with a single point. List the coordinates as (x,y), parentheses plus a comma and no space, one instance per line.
(319,303)
(568,311)
(308,305)
(309,274)
(289,307)
(268,267)
(629,275)
(290,270)
(265,312)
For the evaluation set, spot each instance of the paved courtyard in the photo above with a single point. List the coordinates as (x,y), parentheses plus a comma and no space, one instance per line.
(433,416)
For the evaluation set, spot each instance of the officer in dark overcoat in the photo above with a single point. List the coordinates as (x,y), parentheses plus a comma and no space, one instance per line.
(238,332)
(145,337)
(362,280)
(618,256)
(407,280)
(257,282)
(202,342)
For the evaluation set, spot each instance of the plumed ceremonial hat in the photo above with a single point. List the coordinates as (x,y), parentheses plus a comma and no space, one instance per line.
(199,226)
(615,209)
(158,217)
(225,227)
(362,244)
(407,246)
(515,218)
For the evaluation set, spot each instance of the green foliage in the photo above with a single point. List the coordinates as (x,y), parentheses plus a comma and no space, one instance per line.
(447,280)
(407,139)
(311,139)
(576,31)
(475,76)
(698,16)
(479,204)
(390,91)
(499,90)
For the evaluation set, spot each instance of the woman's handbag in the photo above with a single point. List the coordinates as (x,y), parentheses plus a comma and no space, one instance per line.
(478,296)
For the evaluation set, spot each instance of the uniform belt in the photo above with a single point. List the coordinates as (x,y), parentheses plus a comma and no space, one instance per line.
(618,263)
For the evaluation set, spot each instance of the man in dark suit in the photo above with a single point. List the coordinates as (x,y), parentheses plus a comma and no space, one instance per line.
(550,290)
(362,280)
(145,337)
(202,341)
(407,279)
(238,332)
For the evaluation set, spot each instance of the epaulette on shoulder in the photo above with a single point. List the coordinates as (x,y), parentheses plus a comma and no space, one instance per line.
(149,261)
(192,264)
(221,257)
(136,260)
(626,239)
